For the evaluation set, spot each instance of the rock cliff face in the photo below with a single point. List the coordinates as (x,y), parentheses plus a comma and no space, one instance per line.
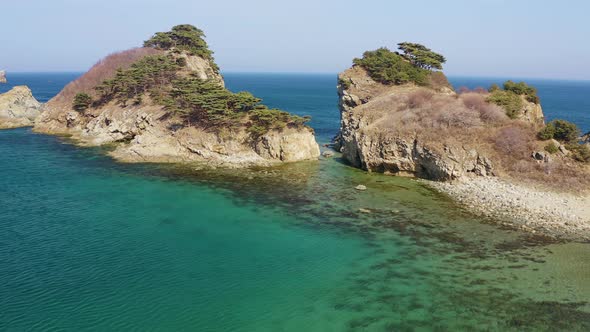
(146,132)
(532,113)
(18,108)
(376,136)
(2,76)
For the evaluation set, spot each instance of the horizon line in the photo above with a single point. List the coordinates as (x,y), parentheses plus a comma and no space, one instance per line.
(8,73)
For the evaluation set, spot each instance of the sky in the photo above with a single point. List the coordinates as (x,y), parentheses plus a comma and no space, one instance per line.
(493,38)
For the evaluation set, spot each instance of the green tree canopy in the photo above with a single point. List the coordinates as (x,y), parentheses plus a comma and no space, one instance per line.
(560,130)
(184,37)
(421,56)
(389,67)
(523,89)
(81,102)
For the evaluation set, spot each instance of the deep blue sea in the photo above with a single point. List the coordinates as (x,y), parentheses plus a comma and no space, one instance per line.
(90,244)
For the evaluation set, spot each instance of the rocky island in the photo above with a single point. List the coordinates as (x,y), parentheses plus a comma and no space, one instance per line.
(166,102)
(490,149)
(2,76)
(18,108)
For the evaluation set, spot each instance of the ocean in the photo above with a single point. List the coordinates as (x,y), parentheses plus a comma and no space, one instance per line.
(90,244)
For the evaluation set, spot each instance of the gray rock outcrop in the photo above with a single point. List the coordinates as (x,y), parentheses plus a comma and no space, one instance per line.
(403,155)
(2,76)
(18,108)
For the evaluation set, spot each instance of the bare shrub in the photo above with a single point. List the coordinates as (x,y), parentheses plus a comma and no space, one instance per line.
(102,70)
(419,98)
(463,89)
(512,141)
(493,114)
(488,113)
(480,90)
(473,101)
(455,114)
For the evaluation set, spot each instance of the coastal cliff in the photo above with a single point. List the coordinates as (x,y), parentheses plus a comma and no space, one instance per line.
(18,108)
(167,102)
(425,129)
(400,116)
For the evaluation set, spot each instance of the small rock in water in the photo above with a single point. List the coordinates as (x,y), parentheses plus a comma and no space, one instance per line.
(328,154)
(360,187)
(364,210)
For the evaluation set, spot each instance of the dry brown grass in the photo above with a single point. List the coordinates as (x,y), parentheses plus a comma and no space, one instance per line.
(102,70)
(422,110)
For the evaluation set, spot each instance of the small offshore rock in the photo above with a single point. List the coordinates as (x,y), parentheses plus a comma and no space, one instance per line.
(364,210)
(360,187)
(328,154)
(18,108)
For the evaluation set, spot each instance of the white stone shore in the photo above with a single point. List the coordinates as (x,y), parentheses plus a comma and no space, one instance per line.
(559,215)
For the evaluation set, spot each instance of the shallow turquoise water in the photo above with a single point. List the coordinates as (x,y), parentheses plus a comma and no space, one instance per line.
(86,243)
(89,244)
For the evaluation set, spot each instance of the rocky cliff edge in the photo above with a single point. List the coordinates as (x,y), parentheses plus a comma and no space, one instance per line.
(18,108)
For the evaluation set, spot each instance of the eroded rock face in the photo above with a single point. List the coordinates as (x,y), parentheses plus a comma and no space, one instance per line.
(144,133)
(18,108)
(403,155)
(407,156)
(532,113)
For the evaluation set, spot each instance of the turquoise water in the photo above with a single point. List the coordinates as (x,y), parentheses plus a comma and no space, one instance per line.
(90,244)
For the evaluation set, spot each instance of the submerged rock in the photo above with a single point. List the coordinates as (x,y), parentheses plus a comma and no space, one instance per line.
(18,108)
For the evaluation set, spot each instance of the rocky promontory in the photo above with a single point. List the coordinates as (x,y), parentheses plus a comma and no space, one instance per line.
(18,108)
(421,127)
(167,102)
(400,116)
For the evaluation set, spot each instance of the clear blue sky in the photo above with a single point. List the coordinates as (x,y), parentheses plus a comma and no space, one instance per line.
(517,38)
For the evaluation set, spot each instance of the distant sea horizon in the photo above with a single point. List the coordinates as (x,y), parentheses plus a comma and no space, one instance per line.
(457,76)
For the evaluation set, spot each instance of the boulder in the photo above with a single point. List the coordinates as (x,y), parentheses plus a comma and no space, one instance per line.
(328,154)
(563,150)
(541,156)
(18,108)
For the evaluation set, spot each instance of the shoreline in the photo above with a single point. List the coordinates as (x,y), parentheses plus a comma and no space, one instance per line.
(561,216)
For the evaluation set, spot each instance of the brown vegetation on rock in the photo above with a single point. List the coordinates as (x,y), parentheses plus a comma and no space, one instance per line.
(101,71)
